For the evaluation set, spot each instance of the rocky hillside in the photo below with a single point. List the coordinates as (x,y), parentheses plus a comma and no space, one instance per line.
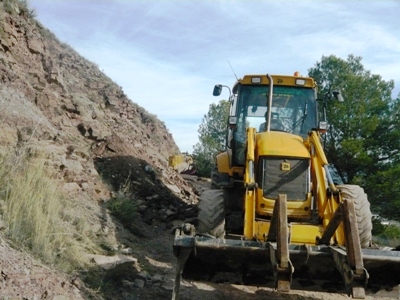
(53,99)
(49,93)
(100,143)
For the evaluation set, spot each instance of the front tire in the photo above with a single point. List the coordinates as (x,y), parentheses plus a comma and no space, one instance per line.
(219,180)
(211,214)
(363,213)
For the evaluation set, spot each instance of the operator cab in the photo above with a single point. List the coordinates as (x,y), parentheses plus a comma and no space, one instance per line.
(293,109)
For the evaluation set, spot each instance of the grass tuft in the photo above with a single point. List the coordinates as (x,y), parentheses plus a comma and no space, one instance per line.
(32,207)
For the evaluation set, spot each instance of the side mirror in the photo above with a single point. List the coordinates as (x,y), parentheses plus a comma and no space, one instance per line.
(338,96)
(232,120)
(217,90)
(323,126)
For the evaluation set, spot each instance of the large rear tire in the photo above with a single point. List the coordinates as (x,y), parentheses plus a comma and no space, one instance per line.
(362,207)
(212,213)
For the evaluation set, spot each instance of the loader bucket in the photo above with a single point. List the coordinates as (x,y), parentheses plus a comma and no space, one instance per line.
(254,263)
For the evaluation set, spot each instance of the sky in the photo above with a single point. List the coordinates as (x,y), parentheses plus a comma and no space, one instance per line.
(167,55)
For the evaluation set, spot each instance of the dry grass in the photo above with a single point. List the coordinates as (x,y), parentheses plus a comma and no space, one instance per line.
(33,206)
(18,6)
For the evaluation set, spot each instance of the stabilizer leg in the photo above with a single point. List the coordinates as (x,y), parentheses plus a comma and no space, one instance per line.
(349,262)
(182,249)
(279,251)
(181,260)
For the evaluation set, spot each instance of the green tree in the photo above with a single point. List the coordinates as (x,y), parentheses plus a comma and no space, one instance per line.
(363,140)
(212,132)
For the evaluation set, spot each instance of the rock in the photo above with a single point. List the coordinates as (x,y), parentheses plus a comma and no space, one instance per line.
(109,262)
(73,165)
(10,30)
(143,275)
(139,283)
(124,271)
(35,45)
(77,283)
(152,197)
(157,278)
(173,188)
(85,186)
(127,251)
(72,187)
(142,208)
(191,178)
(168,285)
(60,297)
(169,212)
(127,283)
(149,169)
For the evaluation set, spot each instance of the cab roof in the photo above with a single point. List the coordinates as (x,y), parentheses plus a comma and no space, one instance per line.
(287,80)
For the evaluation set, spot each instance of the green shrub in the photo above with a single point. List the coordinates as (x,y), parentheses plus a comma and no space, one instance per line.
(124,209)
(385,235)
(377,226)
(391,231)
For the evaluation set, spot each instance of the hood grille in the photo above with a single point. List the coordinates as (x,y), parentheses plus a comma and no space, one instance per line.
(285,176)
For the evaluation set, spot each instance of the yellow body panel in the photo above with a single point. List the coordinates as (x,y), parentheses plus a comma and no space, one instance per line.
(304,233)
(223,162)
(299,233)
(223,165)
(295,209)
(274,143)
(175,160)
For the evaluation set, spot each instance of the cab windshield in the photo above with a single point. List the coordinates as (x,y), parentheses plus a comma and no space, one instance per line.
(293,108)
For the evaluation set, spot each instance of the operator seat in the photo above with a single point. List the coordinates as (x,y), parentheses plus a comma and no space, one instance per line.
(276,124)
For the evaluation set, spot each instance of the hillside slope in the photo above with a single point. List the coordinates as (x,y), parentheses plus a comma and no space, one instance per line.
(101,145)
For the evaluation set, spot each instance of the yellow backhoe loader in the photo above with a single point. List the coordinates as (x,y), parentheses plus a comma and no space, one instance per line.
(182,164)
(276,207)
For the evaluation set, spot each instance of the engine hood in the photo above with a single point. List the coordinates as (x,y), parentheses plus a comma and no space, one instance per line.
(276,143)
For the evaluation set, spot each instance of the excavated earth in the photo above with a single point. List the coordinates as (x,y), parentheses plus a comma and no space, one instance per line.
(102,146)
